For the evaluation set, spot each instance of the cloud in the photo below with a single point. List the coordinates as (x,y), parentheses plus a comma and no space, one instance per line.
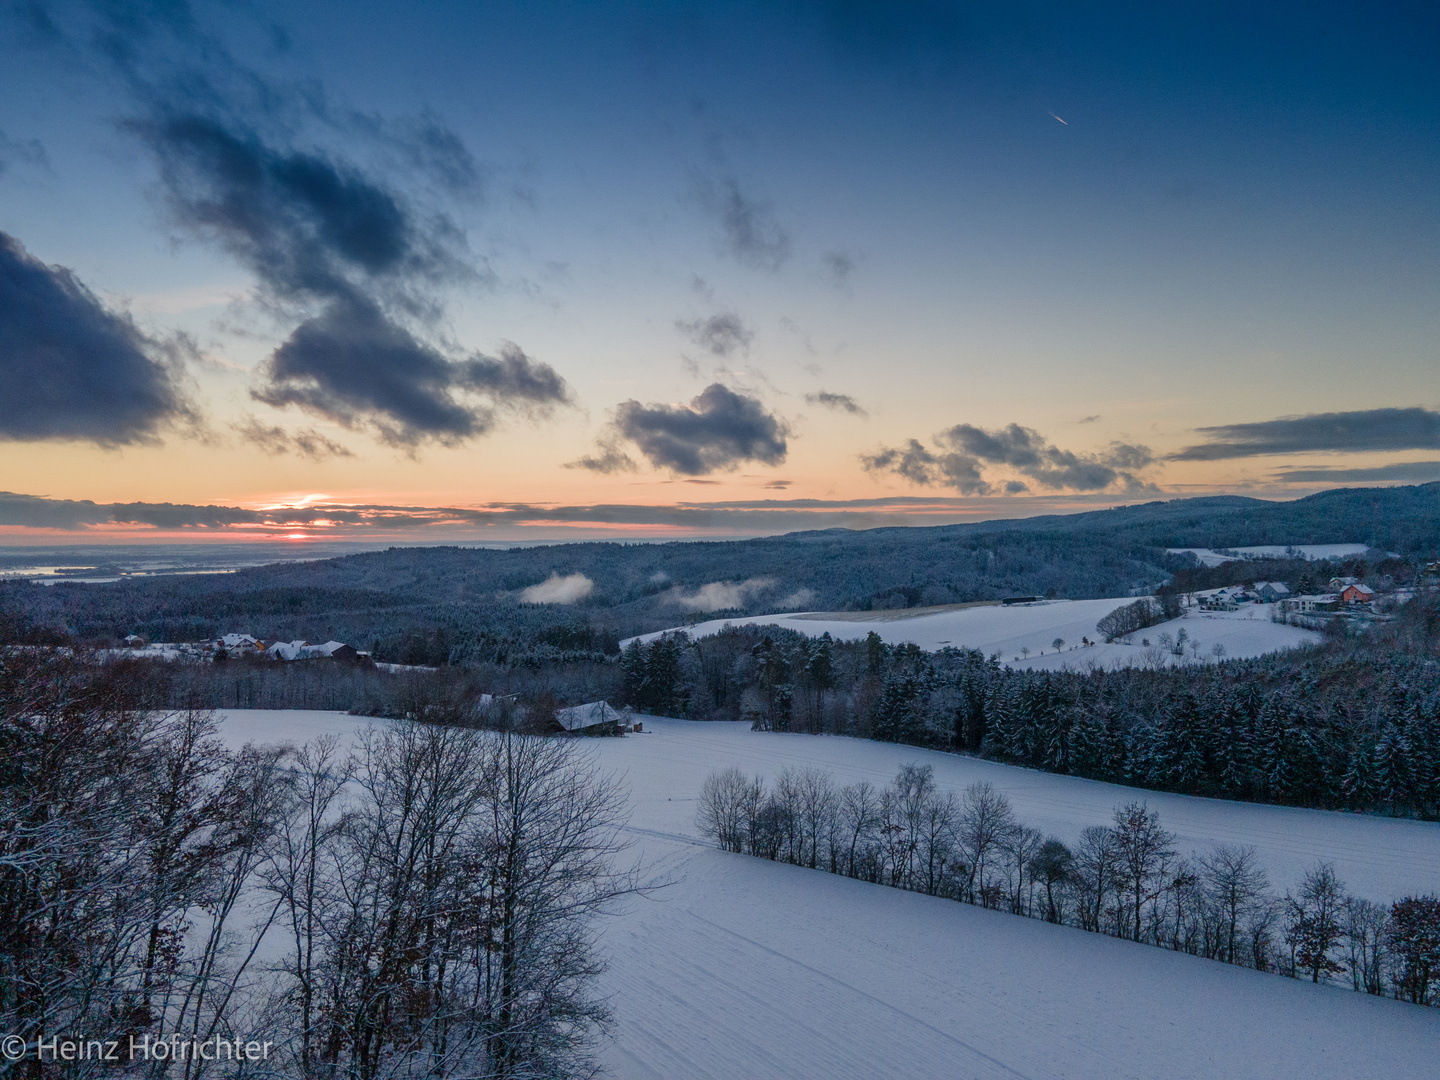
(839,265)
(333,244)
(724,334)
(964,450)
(1032,455)
(718,430)
(749,229)
(340,520)
(1088,419)
(920,466)
(838,402)
(70,369)
(354,366)
(274,439)
(24,151)
(1338,432)
(609,458)
(721,595)
(559,590)
(1411,472)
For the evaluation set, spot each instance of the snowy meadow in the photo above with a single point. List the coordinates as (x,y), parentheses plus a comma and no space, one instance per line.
(747,967)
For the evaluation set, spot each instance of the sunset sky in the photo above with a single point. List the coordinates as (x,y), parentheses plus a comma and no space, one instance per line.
(456,271)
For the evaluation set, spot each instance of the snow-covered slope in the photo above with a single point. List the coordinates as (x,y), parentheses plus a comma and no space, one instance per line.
(744,968)
(1023,635)
(1210,557)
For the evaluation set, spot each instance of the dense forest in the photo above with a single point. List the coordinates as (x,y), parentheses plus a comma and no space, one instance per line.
(467,606)
(1353,723)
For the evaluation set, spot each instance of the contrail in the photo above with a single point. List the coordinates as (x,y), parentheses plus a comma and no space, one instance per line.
(1065,122)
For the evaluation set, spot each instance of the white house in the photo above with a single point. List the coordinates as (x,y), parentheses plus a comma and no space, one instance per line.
(1324,602)
(237,643)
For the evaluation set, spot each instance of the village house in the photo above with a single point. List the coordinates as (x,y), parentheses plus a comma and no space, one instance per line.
(237,644)
(1305,604)
(1270,591)
(1357,594)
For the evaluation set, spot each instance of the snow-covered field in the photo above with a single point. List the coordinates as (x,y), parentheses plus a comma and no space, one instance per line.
(1211,557)
(1022,635)
(745,968)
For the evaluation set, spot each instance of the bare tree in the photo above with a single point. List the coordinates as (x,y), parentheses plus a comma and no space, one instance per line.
(1234,883)
(985,821)
(859,817)
(443,923)
(814,812)
(1367,928)
(1096,873)
(722,811)
(1144,854)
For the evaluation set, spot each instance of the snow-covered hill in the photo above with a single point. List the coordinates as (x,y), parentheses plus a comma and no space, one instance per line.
(1313,552)
(745,968)
(1023,635)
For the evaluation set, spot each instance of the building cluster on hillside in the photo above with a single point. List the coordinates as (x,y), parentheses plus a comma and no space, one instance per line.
(243,646)
(1344,596)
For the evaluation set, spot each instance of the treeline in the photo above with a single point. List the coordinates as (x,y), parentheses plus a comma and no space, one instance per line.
(1353,724)
(1125,879)
(1301,575)
(368,691)
(422,902)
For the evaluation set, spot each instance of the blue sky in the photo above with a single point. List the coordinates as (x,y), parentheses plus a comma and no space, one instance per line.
(664,254)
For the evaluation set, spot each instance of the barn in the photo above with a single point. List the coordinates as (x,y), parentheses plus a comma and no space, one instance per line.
(594,717)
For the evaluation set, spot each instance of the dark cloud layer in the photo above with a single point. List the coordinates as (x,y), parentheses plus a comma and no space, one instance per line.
(1408,472)
(70,369)
(749,229)
(353,365)
(333,243)
(838,402)
(718,430)
(1337,432)
(963,450)
(341,520)
(723,335)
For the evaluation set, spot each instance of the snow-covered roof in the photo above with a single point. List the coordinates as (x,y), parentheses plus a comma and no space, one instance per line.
(286,650)
(330,648)
(578,717)
(1363,590)
(231,641)
(1277,587)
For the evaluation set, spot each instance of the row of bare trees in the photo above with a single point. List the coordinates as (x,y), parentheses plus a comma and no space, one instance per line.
(421,903)
(1125,879)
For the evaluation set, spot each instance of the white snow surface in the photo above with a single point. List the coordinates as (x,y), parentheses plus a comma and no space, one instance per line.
(1005,631)
(745,968)
(1313,552)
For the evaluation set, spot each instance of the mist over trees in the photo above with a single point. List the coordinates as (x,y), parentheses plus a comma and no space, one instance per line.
(1125,879)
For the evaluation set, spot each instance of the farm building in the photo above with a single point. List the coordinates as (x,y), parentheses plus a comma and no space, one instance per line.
(592,717)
